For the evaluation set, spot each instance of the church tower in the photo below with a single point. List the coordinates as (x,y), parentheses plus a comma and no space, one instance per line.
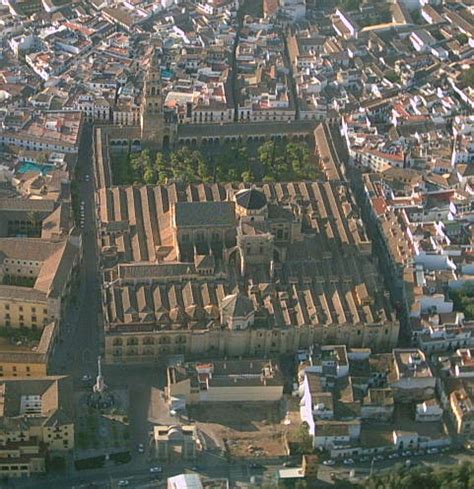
(158,127)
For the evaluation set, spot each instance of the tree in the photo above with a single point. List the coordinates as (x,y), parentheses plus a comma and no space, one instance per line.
(392,76)
(161,168)
(301,484)
(57,463)
(304,439)
(203,169)
(461,476)
(462,39)
(190,166)
(247,176)
(468,77)
(266,154)
(300,161)
(139,162)
(149,176)
(463,299)
(232,163)
(349,4)
(42,158)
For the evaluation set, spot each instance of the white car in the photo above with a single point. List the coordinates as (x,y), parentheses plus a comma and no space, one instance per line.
(123,483)
(348,461)
(141,448)
(329,462)
(156,470)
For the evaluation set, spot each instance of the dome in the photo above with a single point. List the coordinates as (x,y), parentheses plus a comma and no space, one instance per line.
(251,199)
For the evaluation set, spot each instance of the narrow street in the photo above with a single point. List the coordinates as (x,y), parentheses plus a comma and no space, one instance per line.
(80,337)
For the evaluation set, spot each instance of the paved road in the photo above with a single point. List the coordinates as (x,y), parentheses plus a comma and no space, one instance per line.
(108,477)
(80,345)
(364,470)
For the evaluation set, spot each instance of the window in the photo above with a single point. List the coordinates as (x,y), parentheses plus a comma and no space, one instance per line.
(20,308)
(7,307)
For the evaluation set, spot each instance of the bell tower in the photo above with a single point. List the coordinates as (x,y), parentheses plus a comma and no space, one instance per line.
(157,127)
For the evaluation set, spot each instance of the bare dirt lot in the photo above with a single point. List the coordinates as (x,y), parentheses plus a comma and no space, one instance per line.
(243,430)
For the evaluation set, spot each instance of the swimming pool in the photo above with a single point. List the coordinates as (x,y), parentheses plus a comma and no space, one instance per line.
(26,167)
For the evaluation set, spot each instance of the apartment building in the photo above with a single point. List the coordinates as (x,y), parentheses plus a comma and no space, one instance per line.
(36,416)
(461,403)
(224,381)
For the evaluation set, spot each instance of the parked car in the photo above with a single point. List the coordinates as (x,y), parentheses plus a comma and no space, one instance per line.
(86,379)
(123,483)
(329,462)
(141,448)
(156,470)
(348,461)
(255,465)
